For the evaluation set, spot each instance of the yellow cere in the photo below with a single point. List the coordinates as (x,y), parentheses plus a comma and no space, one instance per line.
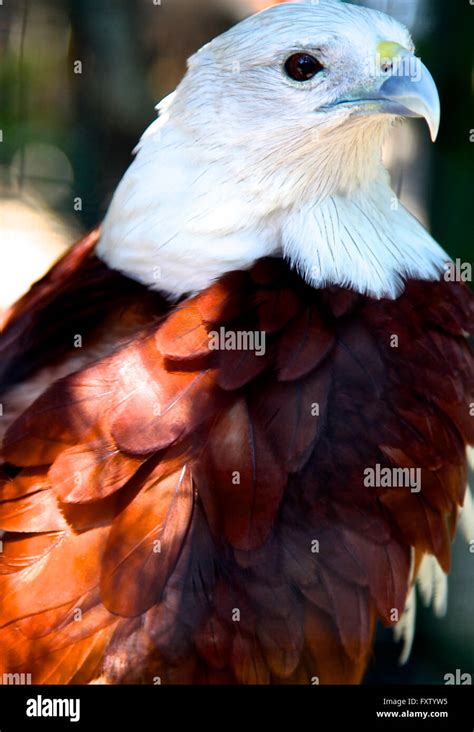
(390,50)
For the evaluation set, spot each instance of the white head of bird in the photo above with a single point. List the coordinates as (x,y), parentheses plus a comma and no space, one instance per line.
(271,146)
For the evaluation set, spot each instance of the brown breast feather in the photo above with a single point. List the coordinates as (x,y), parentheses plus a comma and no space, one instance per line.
(201,516)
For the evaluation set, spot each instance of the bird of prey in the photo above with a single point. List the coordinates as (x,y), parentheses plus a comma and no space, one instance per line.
(236,417)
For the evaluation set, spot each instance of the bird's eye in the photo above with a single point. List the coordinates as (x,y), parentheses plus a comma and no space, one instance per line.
(302,66)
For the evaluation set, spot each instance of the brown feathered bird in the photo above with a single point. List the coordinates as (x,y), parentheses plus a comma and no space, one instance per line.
(238,415)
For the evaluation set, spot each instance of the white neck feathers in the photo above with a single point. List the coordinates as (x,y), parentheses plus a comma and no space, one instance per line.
(185,213)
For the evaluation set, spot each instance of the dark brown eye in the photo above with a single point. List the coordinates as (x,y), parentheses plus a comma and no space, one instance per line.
(302,66)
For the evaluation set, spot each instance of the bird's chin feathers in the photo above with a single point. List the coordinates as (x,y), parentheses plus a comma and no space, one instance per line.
(367,242)
(339,223)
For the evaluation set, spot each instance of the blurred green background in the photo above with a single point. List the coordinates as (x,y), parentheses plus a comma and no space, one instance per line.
(78,83)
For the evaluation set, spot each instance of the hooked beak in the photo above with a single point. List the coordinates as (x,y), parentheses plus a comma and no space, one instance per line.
(409,90)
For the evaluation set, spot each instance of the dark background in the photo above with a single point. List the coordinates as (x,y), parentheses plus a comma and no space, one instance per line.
(70,135)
